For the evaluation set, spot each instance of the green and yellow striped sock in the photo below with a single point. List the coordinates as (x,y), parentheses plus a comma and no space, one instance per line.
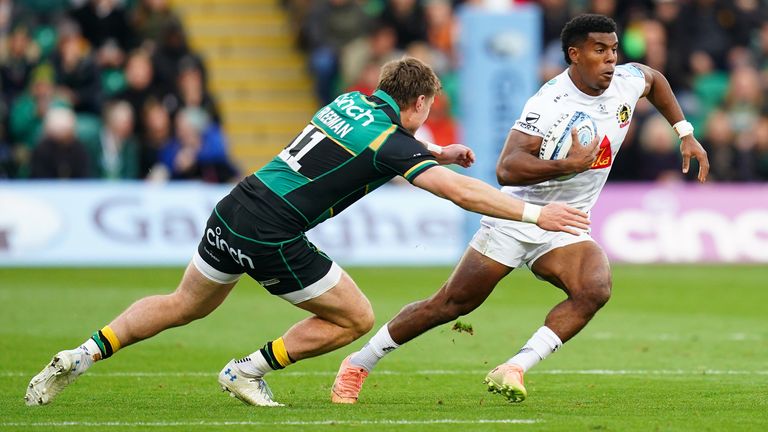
(107,341)
(276,354)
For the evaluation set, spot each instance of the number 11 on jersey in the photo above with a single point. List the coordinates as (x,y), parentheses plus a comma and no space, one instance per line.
(300,146)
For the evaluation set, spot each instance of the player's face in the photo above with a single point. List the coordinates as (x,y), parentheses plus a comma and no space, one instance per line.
(594,62)
(417,114)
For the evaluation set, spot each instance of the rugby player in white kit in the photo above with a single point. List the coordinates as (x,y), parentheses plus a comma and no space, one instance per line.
(607,92)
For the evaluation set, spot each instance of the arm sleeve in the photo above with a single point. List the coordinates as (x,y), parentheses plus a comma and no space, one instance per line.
(537,116)
(632,77)
(403,155)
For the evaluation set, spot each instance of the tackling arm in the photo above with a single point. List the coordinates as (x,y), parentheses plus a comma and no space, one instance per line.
(476,196)
(660,94)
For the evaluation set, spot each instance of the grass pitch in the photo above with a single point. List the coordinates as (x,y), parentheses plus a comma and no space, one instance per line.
(676,349)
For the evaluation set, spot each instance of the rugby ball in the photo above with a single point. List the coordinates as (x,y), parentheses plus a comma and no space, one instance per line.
(557,141)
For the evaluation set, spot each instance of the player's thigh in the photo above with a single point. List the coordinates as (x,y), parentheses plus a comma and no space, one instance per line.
(473,279)
(575,268)
(344,304)
(199,295)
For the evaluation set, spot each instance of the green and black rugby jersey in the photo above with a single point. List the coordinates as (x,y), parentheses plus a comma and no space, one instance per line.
(351,147)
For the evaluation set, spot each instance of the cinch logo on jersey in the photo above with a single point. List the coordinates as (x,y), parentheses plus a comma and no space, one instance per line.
(336,123)
(216,241)
(347,104)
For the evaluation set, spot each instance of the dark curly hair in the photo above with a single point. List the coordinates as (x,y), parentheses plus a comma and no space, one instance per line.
(577,29)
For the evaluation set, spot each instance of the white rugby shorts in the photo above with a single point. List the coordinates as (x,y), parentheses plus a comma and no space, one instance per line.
(515,243)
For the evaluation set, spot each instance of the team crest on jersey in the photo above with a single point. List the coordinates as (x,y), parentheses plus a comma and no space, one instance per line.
(623,114)
(604,155)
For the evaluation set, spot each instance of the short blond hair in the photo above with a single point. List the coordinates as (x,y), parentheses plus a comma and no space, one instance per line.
(407,79)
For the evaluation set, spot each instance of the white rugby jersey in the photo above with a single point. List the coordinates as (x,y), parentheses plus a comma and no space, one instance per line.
(612,112)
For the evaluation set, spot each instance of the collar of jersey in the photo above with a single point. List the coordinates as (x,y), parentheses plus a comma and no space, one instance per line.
(578,91)
(381,94)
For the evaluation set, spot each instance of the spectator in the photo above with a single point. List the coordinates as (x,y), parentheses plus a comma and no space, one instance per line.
(7,160)
(660,159)
(156,134)
(440,26)
(379,47)
(191,92)
(761,148)
(718,141)
(329,26)
(77,75)
(408,19)
(59,155)
(27,114)
(710,25)
(367,80)
(102,21)
(17,60)
(150,18)
(171,50)
(117,153)
(744,99)
(141,86)
(198,151)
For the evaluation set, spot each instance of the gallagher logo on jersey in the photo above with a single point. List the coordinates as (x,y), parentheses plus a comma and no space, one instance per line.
(623,114)
(604,155)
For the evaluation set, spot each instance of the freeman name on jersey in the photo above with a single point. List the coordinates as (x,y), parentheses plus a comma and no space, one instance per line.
(328,117)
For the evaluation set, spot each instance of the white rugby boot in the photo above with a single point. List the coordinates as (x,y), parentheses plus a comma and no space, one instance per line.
(63,369)
(250,390)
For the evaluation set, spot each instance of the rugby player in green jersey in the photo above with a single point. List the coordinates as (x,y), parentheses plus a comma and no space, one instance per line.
(349,148)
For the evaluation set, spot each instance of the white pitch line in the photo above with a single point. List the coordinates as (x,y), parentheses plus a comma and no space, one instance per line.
(277,423)
(140,374)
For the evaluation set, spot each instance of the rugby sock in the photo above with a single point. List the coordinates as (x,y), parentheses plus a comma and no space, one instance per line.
(102,344)
(380,345)
(272,356)
(543,343)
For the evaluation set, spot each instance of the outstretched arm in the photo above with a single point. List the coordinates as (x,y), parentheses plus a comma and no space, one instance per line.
(476,196)
(458,154)
(659,93)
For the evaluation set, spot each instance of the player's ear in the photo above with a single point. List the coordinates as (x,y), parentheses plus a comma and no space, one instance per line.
(573,54)
(421,103)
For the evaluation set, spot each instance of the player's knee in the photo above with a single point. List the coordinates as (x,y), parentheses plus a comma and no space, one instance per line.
(362,321)
(459,308)
(596,292)
(187,309)
(449,309)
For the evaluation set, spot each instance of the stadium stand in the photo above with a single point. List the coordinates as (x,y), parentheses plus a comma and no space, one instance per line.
(259,68)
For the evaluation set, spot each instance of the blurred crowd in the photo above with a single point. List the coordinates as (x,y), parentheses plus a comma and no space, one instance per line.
(111,89)
(713,52)
(105,89)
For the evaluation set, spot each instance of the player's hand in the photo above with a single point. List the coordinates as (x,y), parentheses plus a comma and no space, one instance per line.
(560,217)
(458,154)
(690,148)
(582,158)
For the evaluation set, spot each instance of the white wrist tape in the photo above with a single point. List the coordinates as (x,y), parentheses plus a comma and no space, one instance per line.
(434,148)
(683,128)
(531,213)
